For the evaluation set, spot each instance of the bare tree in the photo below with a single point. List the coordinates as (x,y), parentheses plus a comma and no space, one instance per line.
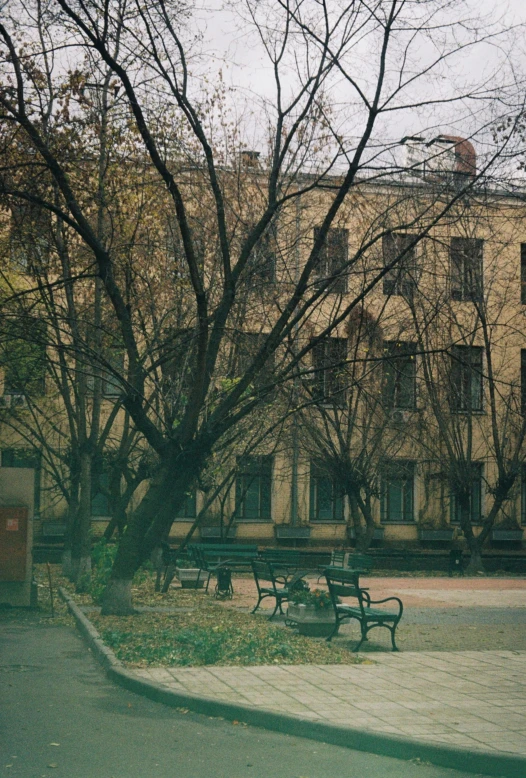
(200,158)
(467,320)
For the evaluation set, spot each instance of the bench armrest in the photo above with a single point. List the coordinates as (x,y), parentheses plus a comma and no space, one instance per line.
(389,599)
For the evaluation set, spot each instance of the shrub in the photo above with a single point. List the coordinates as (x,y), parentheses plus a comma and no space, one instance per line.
(319,598)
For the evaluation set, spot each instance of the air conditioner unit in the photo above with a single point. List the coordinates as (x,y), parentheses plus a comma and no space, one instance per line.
(18,401)
(400,417)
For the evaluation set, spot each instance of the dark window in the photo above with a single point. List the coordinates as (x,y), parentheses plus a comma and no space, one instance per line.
(523,380)
(253,488)
(100,484)
(466,268)
(24,457)
(23,357)
(402,278)
(176,359)
(400,375)
(333,258)
(30,237)
(246,347)
(523,273)
(261,266)
(329,379)
(175,248)
(398,488)
(326,498)
(466,378)
(188,509)
(474,506)
(111,382)
(111,372)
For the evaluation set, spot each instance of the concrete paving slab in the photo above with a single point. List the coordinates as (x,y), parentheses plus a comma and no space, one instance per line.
(442,711)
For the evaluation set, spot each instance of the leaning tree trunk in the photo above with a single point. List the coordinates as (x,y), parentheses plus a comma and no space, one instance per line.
(146,527)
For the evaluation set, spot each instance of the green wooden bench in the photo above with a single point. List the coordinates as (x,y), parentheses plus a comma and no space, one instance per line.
(281,557)
(270,584)
(236,554)
(343,582)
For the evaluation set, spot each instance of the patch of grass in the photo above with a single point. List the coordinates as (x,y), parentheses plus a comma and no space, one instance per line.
(209,634)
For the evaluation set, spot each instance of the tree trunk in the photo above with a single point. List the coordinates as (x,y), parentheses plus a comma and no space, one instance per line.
(359,511)
(130,553)
(71,518)
(474,545)
(475,564)
(81,551)
(150,523)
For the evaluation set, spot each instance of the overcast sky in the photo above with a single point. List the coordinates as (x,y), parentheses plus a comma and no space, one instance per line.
(245,66)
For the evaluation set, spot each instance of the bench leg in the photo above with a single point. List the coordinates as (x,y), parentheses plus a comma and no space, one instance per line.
(207,581)
(278,605)
(364,637)
(334,632)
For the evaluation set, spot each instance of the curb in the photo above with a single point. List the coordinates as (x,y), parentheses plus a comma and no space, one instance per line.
(487,764)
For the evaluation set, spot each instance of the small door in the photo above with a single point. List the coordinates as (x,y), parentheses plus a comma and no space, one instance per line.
(13,544)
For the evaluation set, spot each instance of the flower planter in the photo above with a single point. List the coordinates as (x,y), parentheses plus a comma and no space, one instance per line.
(286,532)
(312,622)
(191,577)
(214,533)
(378,534)
(507,535)
(435,535)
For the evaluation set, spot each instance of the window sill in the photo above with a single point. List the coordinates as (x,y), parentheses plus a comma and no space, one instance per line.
(253,521)
(390,522)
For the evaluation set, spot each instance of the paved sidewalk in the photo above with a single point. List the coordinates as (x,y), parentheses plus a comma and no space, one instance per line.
(471,699)
(455,695)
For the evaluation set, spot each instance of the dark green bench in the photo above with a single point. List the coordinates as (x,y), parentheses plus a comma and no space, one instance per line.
(343,582)
(235,554)
(285,557)
(360,563)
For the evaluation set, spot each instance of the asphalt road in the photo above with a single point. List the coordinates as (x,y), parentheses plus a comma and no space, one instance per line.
(59,716)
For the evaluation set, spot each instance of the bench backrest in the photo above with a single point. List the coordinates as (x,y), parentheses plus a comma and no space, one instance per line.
(282,555)
(263,574)
(343,582)
(337,558)
(225,548)
(361,562)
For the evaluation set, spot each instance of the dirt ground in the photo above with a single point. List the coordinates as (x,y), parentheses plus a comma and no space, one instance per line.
(440,613)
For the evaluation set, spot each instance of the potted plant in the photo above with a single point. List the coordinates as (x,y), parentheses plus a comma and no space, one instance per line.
(190,576)
(312,612)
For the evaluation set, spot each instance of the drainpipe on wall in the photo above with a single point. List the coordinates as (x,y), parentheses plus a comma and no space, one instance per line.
(295,441)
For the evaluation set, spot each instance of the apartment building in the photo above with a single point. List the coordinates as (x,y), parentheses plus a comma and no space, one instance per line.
(410,412)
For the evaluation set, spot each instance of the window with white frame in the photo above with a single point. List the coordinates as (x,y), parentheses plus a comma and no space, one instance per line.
(326,497)
(253,488)
(398,491)
(473,505)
